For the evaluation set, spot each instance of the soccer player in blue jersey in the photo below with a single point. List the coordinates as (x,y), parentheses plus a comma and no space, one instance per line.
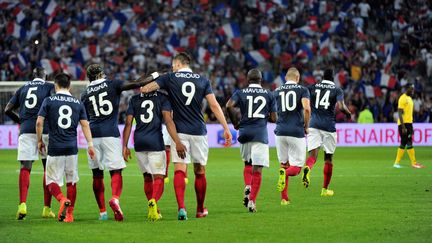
(257,105)
(186,91)
(29,99)
(149,111)
(322,133)
(63,113)
(101,100)
(293,108)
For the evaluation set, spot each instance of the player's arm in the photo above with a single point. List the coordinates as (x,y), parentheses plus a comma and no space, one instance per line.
(171,128)
(217,110)
(344,108)
(148,88)
(39,129)
(402,124)
(230,106)
(306,113)
(11,113)
(141,81)
(87,134)
(272,117)
(126,134)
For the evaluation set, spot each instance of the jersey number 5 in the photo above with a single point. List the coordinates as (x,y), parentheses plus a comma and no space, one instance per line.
(32,97)
(251,101)
(322,101)
(102,103)
(148,105)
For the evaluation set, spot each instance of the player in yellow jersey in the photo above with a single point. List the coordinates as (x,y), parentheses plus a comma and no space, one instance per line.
(405,126)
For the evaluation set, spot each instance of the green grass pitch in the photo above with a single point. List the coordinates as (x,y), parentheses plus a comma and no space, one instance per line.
(373,202)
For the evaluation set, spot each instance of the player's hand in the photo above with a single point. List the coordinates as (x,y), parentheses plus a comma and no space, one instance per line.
(41,147)
(306,130)
(181,150)
(404,130)
(228,138)
(126,154)
(91,152)
(236,126)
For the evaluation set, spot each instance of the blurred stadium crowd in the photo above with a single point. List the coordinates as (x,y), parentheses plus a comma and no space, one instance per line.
(375,47)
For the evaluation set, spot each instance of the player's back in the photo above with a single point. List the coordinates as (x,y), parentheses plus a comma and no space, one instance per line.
(147,111)
(255,104)
(324,96)
(290,120)
(187,91)
(62,112)
(101,101)
(29,98)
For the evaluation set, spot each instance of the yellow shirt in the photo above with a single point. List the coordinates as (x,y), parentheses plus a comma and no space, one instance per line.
(406,103)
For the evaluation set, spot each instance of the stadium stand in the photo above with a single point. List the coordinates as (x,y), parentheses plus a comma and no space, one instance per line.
(375,47)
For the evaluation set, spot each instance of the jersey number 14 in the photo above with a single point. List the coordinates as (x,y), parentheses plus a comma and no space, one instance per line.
(322,101)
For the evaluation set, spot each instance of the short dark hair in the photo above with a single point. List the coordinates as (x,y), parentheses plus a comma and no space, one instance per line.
(62,80)
(39,72)
(93,70)
(183,58)
(328,74)
(254,76)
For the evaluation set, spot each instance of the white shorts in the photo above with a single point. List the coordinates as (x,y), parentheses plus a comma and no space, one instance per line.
(317,138)
(166,136)
(196,146)
(27,147)
(255,151)
(291,149)
(59,166)
(108,154)
(152,162)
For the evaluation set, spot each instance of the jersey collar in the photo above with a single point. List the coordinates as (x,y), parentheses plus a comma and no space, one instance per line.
(255,86)
(39,79)
(290,82)
(327,82)
(97,81)
(64,92)
(185,70)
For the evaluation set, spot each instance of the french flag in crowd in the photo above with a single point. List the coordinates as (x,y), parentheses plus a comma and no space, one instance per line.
(341,78)
(224,9)
(49,7)
(279,80)
(309,78)
(390,51)
(231,30)
(4,4)
(257,56)
(23,60)
(86,53)
(164,58)
(346,8)
(16,30)
(50,66)
(204,56)
(331,27)
(173,50)
(384,80)
(306,31)
(111,27)
(320,7)
(174,40)
(324,44)
(264,33)
(152,32)
(281,3)
(19,14)
(265,7)
(54,31)
(124,15)
(305,52)
(75,70)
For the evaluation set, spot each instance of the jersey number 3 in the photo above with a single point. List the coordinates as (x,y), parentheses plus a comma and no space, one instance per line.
(148,105)
(102,103)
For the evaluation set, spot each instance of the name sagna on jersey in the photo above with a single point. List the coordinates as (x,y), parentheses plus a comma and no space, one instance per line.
(91,89)
(64,98)
(187,75)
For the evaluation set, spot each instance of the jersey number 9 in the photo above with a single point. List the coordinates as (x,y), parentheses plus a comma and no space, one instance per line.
(188,93)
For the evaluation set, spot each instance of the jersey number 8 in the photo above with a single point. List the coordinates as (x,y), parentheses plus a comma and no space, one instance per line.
(64,116)
(102,103)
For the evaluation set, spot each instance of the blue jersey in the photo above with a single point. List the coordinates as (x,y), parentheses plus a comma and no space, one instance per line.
(255,105)
(29,99)
(101,101)
(147,111)
(324,97)
(186,91)
(62,112)
(290,120)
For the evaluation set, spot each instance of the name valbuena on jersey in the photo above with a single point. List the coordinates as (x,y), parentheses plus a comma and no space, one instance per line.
(290,120)
(324,97)
(101,101)
(255,104)
(186,91)
(29,99)
(62,113)
(147,111)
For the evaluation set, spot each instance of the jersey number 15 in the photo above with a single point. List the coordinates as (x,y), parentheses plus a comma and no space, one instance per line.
(102,103)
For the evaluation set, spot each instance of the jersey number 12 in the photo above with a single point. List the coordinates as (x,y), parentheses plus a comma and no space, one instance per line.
(251,100)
